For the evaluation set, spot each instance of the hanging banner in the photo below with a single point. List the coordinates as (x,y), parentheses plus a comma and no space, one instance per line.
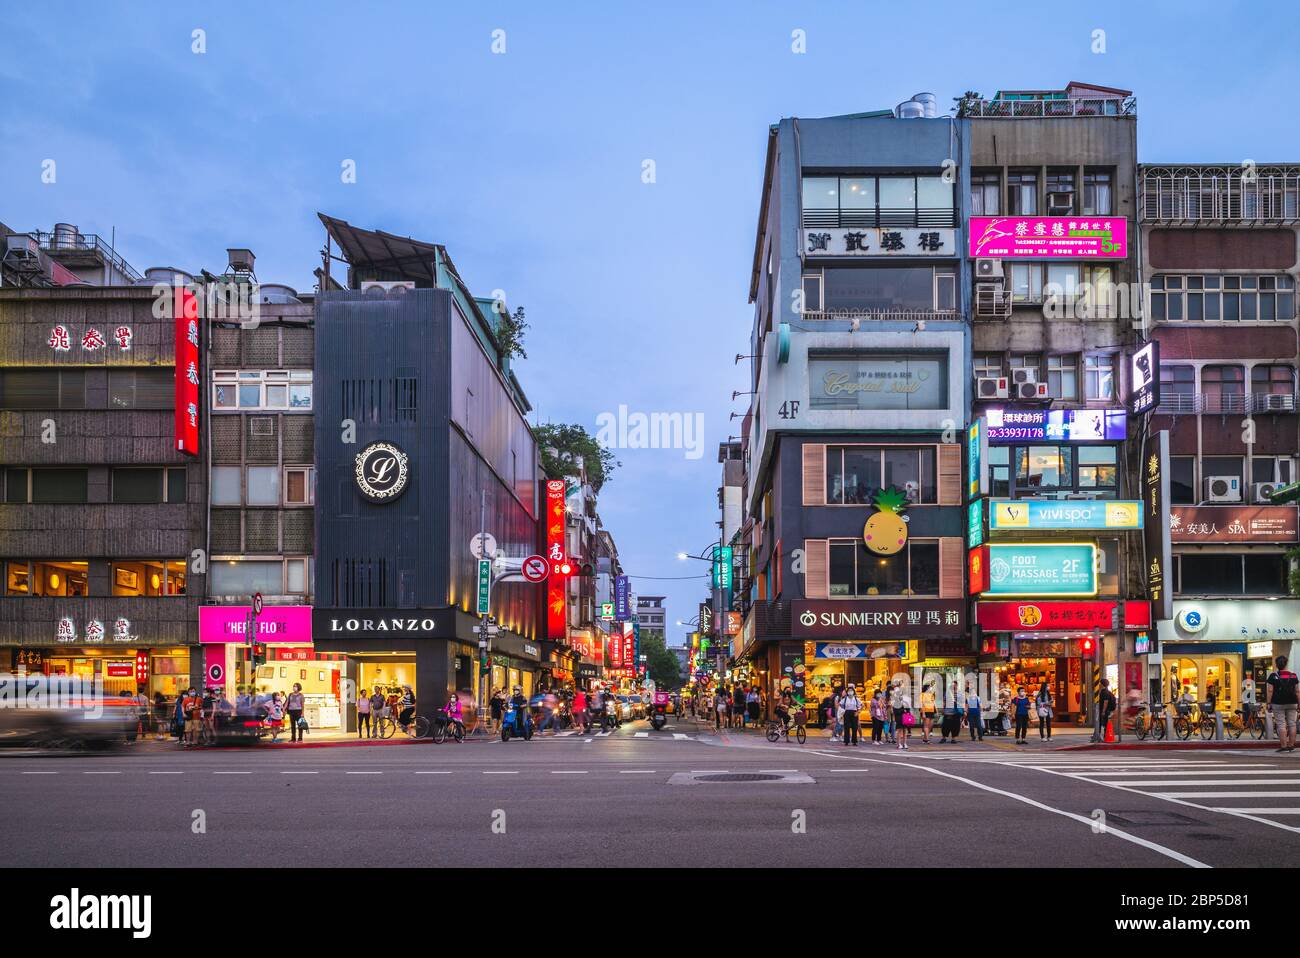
(1156,534)
(557,583)
(622,589)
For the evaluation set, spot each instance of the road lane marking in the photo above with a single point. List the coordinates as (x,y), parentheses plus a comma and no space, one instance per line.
(433,773)
(642,734)
(1258,811)
(556,771)
(1144,783)
(166,773)
(40,773)
(300,773)
(500,773)
(680,735)
(587,741)
(1110,830)
(1193,771)
(363,773)
(1226,794)
(636,771)
(232,773)
(101,773)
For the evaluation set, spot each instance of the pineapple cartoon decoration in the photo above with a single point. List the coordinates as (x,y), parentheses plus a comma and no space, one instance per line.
(886,531)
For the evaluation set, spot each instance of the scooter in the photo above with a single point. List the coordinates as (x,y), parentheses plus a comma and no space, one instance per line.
(659,711)
(517,722)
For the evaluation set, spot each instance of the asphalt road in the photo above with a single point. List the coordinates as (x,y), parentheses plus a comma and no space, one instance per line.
(632,797)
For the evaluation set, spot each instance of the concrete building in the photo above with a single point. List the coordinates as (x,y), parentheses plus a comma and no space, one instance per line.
(859,347)
(1219,260)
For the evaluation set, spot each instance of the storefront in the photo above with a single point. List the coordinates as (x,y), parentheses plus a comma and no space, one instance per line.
(1209,648)
(124,670)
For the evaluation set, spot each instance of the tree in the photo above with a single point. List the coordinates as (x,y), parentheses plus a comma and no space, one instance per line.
(661,664)
(510,333)
(966,102)
(564,445)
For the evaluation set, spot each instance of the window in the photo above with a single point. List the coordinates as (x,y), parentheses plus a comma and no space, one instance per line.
(1222,466)
(855,473)
(299,488)
(46,577)
(45,485)
(42,388)
(1043,466)
(1270,469)
(1000,471)
(1063,377)
(1274,384)
(1030,361)
(1026,283)
(226,486)
(1022,192)
(243,577)
(1055,471)
(1223,298)
(282,389)
(1099,377)
(1177,380)
(148,485)
(147,577)
(1224,388)
(263,486)
(812,293)
(1097,467)
(984,194)
(879,380)
(1182,480)
(988,365)
(141,388)
(884,288)
(854,571)
(878,201)
(1060,191)
(1097,192)
(1251,573)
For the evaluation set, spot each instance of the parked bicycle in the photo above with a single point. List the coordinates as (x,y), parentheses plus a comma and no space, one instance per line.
(776,729)
(1150,721)
(1242,721)
(418,727)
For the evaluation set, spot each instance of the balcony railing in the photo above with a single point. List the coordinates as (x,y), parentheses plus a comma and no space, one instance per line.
(65,242)
(1018,109)
(927,217)
(1176,404)
(899,315)
(992,301)
(1219,194)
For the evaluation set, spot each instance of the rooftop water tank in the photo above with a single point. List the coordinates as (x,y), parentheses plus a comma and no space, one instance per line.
(164,274)
(909,110)
(277,293)
(929,101)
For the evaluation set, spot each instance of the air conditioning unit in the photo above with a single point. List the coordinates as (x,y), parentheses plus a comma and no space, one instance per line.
(387,286)
(1223,489)
(1021,376)
(986,268)
(991,387)
(1276,403)
(1032,392)
(1060,204)
(1262,492)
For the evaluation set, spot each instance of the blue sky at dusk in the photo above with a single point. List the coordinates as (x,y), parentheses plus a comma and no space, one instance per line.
(527,164)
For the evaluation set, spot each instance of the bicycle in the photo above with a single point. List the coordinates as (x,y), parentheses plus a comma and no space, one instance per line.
(1149,722)
(418,727)
(1185,722)
(1242,721)
(447,725)
(1207,724)
(776,728)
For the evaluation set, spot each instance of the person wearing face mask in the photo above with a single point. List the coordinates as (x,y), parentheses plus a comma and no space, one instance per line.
(850,705)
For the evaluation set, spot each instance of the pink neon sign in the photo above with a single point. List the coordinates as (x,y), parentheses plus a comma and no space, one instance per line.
(1049,237)
(277,623)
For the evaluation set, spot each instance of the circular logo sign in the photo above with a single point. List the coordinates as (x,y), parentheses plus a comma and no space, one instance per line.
(1191,620)
(808,618)
(216,672)
(535,569)
(381,472)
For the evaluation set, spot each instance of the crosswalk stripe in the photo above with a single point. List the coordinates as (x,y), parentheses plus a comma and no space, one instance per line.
(1227,794)
(642,735)
(680,735)
(1260,770)
(1144,783)
(1259,811)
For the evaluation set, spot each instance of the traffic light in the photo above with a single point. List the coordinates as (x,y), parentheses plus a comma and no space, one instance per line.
(587,569)
(259,654)
(1088,646)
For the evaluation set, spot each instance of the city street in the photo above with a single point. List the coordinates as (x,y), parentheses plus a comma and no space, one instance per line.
(638,797)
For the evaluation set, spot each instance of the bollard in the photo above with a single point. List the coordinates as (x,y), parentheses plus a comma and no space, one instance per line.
(1269,731)
(1218,727)
(1169,726)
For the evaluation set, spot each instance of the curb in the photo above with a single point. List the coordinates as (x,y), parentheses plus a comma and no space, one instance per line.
(284,746)
(1253,745)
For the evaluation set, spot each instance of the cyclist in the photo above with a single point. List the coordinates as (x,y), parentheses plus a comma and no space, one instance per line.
(453,713)
(407,705)
(785,708)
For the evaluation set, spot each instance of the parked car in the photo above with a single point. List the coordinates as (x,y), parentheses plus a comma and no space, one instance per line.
(60,711)
(625,710)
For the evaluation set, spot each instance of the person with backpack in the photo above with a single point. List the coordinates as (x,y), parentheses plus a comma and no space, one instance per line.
(1043,707)
(974,713)
(295,706)
(1020,709)
(1106,705)
(849,706)
(1282,702)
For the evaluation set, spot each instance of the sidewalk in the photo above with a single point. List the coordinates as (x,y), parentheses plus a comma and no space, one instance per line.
(313,739)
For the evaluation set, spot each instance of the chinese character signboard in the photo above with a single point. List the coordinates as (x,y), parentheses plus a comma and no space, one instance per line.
(622,589)
(878,618)
(977,570)
(977,447)
(1048,616)
(187,371)
(484,586)
(1144,375)
(975,523)
(1156,534)
(1049,237)
(1066,568)
(556,584)
(1018,514)
(1215,524)
(882,241)
(1057,425)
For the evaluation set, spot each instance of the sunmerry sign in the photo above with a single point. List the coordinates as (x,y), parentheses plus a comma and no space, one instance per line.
(1050,616)
(877,618)
(1020,514)
(1059,569)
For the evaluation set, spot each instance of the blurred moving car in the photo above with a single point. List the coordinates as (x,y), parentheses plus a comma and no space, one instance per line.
(59,711)
(639,709)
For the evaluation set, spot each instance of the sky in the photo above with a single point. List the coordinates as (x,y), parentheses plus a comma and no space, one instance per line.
(518,135)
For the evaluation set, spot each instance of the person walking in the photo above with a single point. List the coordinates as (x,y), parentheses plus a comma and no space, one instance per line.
(1043,703)
(1020,709)
(275,715)
(900,704)
(580,718)
(927,712)
(720,706)
(974,713)
(377,706)
(1106,705)
(295,706)
(849,707)
(1280,696)
(738,706)
(363,715)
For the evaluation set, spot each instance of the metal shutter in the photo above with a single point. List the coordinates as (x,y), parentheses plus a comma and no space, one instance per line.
(817,569)
(950,484)
(814,474)
(952,554)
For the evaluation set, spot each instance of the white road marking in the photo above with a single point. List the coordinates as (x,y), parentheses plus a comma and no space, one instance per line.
(101,773)
(641,734)
(500,773)
(433,773)
(587,741)
(566,772)
(232,773)
(299,773)
(363,773)
(636,771)
(1258,811)
(680,735)
(166,773)
(1110,830)
(1143,783)
(40,773)
(1226,794)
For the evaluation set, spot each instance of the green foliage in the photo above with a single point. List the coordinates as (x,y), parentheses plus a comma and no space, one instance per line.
(660,662)
(571,444)
(892,499)
(966,101)
(1293,577)
(510,333)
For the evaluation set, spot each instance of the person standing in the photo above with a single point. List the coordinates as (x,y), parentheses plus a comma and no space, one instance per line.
(191,707)
(1282,703)
(974,713)
(377,705)
(1105,708)
(295,706)
(951,716)
(877,717)
(1043,703)
(720,706)
(363,715)
(927,713)
(1248,700)
(1020,709)
(850,705)
(900,704)
(275,715)
(752,705)
(580,719)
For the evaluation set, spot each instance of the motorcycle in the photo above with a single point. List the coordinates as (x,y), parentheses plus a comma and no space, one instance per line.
(659,711)
(516,722)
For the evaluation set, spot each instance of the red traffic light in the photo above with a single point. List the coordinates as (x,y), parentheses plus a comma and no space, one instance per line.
(1086,646)
(564,568)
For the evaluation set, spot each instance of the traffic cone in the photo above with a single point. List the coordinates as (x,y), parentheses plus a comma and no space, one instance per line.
(1110,733)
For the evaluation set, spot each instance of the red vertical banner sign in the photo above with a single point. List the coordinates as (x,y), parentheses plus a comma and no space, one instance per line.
(186,309)
(615,656)
(628,639)
(557,583)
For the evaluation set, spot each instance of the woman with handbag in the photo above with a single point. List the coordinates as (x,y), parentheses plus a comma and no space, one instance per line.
(901,704)
(1044,708)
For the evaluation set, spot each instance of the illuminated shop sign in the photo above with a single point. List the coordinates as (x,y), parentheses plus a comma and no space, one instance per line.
(1016,514)
(1049,237)
(1066,568)
(1056,425)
